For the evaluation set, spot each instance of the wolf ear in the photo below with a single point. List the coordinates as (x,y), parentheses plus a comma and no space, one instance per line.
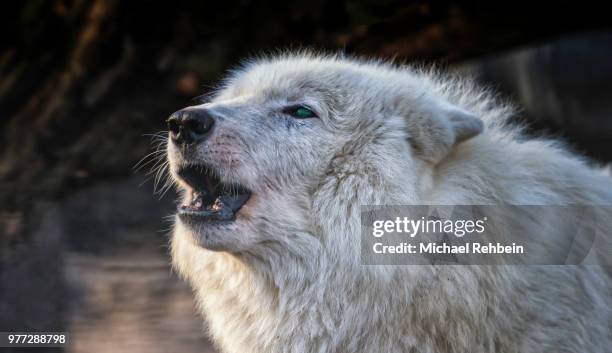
(434,133)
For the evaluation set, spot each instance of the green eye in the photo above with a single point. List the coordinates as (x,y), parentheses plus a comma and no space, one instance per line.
(303,113)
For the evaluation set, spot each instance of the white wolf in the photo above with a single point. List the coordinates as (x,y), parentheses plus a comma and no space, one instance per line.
(274,169)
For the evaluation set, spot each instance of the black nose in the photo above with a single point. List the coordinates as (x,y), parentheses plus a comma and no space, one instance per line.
(190,125)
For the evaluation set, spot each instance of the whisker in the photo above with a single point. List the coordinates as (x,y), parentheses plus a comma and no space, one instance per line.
(155,167)
(148,159)
(157,134)
(147,179)
(158,175)
(157,164)
(159,140)
(167,186)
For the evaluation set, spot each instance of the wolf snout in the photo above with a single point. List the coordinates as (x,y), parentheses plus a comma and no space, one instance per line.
(190,125)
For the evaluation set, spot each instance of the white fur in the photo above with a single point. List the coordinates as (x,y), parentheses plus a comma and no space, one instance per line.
(286,276)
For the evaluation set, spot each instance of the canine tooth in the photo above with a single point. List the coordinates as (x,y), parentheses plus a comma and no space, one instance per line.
(218,205)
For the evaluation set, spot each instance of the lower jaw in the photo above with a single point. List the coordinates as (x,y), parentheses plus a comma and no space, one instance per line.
(207,216)
(199,218)
(216,236)
(222,209)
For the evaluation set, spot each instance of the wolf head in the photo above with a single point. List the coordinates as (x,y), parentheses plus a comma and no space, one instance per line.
(279,160)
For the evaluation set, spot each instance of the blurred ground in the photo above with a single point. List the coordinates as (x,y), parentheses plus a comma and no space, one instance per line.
(83,239)
(131,303)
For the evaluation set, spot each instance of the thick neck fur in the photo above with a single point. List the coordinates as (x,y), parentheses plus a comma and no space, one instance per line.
(280,302)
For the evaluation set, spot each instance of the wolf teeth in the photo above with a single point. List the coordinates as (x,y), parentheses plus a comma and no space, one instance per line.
(218,205)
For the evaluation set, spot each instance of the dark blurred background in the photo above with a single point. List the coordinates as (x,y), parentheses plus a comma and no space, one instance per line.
(83,238)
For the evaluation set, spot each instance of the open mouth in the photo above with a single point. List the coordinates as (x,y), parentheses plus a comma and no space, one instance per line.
(209,198)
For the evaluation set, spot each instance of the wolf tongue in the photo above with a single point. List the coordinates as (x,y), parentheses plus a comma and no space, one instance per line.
(233,202)
(219,210)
